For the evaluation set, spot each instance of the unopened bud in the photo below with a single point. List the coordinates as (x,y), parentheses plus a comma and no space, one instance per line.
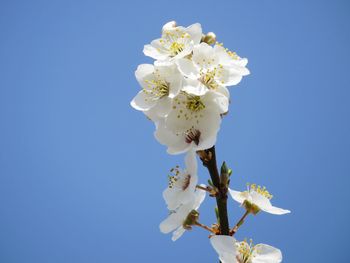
(209,38)
(224,175)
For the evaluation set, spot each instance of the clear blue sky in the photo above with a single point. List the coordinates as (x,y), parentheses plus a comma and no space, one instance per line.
(81,175)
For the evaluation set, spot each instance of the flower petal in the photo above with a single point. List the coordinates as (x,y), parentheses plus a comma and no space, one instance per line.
(195,30)
(143,71)
(175,143)
(225,246)
(178,233)
(191,162)
(199,198)
(195,87)
(173,221)
(239,197)
(162,107)
(266,254)
(265,205)
(276,210)
(142,102)
(188,68)
(155,50)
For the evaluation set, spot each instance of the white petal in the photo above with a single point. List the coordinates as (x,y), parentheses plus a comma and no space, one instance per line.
(178,149)
(188,68)
(225,246)
(216,100)
(264,204)
(195,31)
(243,62)
(142,102)
(204,56)
(175,83)
(171,197)
(169,25)
(195,87)
(143,71)
(191,162)
(239,70)
(239,197)
(277,211)
(199,198)
(209,128)
(172,222)
(225,58)
(266,254)
(175,197)
(162,107)
(178,233)
(175,143)
(186,51)
(230,77)
(155,50)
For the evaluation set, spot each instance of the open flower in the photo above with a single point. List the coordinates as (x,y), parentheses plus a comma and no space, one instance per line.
(231,251)
(182,184)
(257,198)
(211,68)
(160,84)
(193,122)
(176,42)
(183,217)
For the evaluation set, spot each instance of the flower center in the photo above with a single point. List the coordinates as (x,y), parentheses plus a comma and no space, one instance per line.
(157,88)
(208,79)
(245,250)
(194,103)
(260,190)
(232,54)
(193,135)
(178,180)
(174,41)
(175,48)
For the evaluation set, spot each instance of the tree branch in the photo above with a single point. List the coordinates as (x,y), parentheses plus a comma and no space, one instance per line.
(209,161)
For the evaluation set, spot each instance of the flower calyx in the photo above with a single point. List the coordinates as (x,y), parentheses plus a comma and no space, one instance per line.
(250,207)
(190,220)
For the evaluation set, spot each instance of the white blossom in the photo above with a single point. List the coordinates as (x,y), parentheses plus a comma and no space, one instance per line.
(231,251)
(211,68)
(160,84)
(176,219)
(176,42)
(182,184)
(257,197)
(193,122)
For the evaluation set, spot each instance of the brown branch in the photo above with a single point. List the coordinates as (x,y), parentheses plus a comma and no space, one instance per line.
(208,158)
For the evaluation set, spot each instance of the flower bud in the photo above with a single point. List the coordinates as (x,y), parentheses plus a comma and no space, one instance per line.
(224,175)
(209,38)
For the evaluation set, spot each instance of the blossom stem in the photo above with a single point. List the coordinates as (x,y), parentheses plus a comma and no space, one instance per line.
(209,161)
(211,191)
(239,223)
(204,227)
(203,188)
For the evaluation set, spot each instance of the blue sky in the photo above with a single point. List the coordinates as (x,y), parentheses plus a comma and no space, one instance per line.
(81,175)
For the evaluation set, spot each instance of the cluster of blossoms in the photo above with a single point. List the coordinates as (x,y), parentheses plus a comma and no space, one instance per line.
(184,92)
